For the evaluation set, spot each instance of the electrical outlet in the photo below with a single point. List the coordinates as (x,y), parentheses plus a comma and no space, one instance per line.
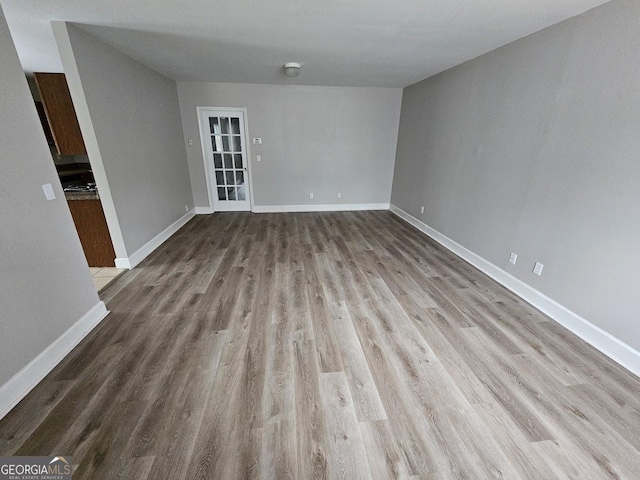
(186,208)
(311,195)
(190,141)
(537,269)
(339,195)
(422,209)
(258,158)
(512,258)
(257,141)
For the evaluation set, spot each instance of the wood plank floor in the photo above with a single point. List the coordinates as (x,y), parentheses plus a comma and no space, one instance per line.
(326,345)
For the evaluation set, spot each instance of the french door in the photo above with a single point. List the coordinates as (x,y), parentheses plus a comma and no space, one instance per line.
(223,138)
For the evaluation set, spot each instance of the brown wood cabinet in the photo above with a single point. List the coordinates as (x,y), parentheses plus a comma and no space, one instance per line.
(93,232)
(61,115)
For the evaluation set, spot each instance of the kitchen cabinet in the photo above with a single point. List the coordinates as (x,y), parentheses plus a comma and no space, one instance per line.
(61,116)
(91,225)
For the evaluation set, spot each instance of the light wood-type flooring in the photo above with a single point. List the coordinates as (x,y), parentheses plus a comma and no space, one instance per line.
(326,345)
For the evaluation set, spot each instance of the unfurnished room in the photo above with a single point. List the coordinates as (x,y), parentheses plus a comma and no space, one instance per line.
(305,240)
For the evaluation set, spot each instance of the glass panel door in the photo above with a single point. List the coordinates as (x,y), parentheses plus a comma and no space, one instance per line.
(224,143)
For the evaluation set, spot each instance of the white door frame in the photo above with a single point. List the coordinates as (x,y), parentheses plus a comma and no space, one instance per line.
(204,133)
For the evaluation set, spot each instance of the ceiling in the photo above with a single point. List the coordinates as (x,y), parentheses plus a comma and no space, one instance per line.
(377,43)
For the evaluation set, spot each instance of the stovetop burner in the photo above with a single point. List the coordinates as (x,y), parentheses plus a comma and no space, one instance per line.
(90,187)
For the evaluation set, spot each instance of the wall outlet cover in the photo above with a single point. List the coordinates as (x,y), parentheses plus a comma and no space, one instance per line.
(537,269)
(513,258)
(48,191)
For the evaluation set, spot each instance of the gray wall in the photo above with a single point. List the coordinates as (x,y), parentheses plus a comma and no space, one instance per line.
(45,285)
(323,140)
(534,148)
(130,119)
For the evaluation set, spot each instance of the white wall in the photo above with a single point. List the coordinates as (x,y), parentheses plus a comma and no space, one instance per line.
(45,285)
(130,119)
(323,140)
(534,148)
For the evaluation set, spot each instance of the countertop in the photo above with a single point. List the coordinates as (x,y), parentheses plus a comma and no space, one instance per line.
(82,195)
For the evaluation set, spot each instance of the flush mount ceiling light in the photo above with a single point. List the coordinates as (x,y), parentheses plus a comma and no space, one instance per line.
(292,69)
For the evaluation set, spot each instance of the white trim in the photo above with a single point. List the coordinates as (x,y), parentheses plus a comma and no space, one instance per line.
(611,346)
(211,188)
(26,379)
(144,251)
(332,207)
(203,210)
(123,263)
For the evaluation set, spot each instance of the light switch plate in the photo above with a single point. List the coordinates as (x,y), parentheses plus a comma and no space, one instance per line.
(48,191)
(537,269)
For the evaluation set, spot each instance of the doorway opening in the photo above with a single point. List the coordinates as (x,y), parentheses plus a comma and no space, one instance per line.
(62,131)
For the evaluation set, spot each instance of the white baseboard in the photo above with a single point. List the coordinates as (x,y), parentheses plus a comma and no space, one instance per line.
(144,251)
(203,211)
(332,207)
(123,263)
(611,346)
(23,382)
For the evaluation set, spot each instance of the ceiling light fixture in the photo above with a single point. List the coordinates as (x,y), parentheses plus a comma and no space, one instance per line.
(292,69)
